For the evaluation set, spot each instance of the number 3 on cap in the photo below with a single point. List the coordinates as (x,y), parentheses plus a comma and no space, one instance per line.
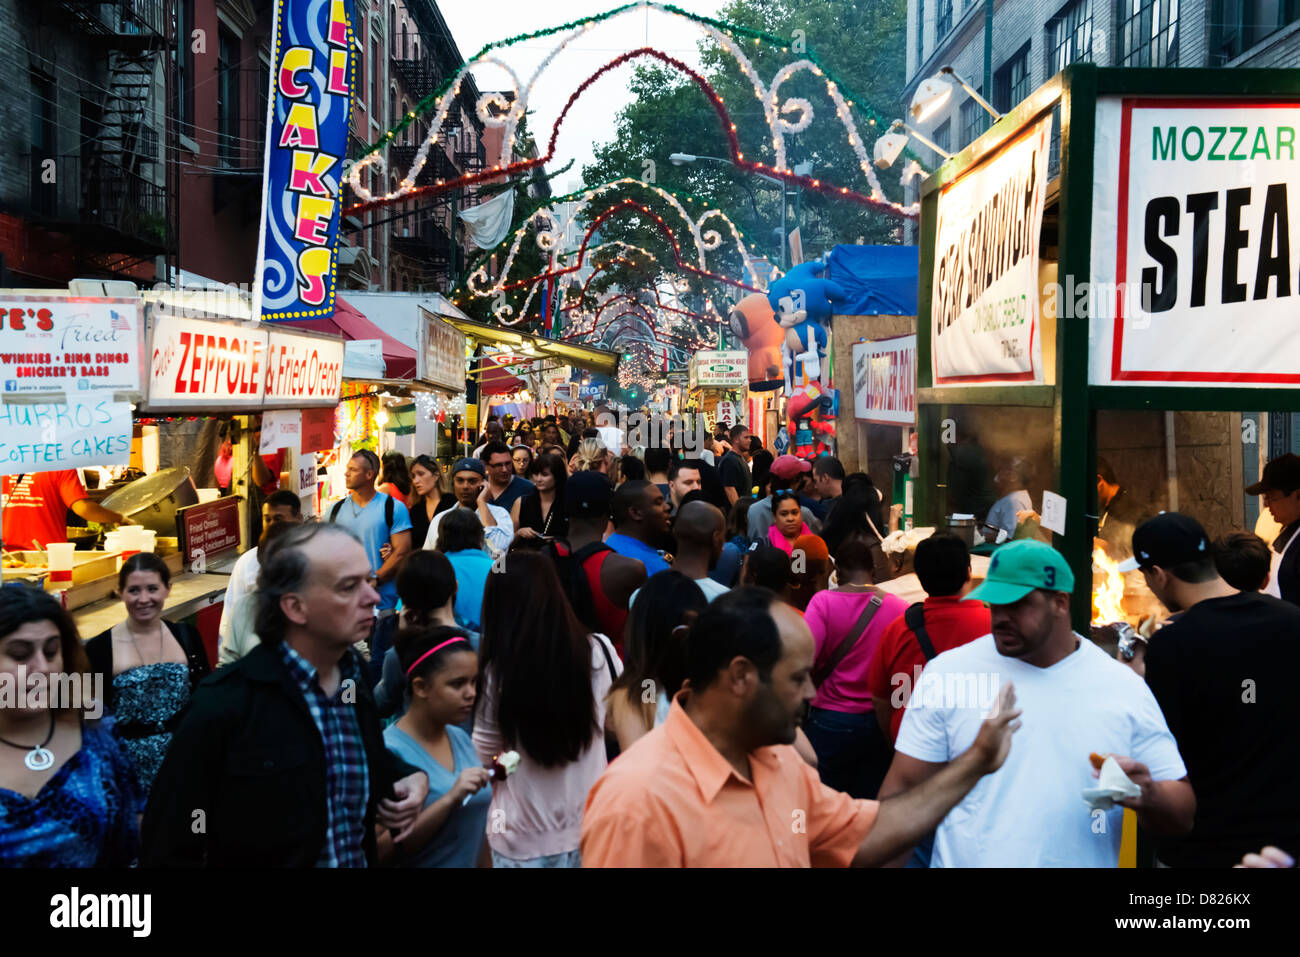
(1050,572)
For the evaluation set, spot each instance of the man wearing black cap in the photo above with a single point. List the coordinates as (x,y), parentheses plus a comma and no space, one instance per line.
(469,482)
(599,581)
(1280,486)
(1222,674)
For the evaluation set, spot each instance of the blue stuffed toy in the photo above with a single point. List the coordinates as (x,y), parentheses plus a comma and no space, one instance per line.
(803,303)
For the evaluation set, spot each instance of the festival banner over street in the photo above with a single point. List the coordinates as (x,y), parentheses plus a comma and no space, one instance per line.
(307,137)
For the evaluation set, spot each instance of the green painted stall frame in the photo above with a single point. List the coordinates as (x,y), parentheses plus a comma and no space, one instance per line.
(1073,402)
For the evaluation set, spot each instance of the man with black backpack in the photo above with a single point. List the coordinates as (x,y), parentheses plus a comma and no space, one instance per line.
(377,520)
(941,622)
(598,581)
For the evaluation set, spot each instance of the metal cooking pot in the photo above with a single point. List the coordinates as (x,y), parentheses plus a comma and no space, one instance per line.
(963,528)
(154,500)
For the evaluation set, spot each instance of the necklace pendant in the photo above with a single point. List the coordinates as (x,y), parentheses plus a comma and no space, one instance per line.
(39,758)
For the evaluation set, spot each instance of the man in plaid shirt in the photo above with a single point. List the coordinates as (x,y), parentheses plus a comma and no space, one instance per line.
(279,760)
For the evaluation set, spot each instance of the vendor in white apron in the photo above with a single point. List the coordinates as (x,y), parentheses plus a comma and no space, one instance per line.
(1280,486)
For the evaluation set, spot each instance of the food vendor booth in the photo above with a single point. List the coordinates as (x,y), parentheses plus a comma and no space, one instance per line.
(169,427)
(1108,314)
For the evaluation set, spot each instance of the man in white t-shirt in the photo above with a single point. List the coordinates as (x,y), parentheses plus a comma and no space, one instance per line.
(611,435)
(1076,701)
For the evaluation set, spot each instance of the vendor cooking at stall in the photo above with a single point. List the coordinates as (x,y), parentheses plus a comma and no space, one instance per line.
(1120,514)
(37,504)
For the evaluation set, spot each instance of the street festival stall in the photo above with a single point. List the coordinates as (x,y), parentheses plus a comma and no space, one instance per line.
(158,467)
(1172,201)
(873,347)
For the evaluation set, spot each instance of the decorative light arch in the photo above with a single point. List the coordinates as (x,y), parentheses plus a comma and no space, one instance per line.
(498,110)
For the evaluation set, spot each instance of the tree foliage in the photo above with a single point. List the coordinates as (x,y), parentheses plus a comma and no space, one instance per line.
(861,43)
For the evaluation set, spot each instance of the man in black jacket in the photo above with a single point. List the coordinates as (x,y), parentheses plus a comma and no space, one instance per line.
(279,760)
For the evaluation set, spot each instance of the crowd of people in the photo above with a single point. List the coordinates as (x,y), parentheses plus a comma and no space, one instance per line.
(565,651)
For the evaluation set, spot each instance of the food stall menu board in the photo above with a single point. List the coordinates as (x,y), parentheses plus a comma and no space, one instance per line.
(207,530)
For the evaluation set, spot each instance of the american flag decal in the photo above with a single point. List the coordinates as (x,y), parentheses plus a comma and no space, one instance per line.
(117,321)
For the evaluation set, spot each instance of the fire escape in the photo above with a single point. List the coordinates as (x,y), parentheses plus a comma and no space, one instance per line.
(427,235)
(109,195)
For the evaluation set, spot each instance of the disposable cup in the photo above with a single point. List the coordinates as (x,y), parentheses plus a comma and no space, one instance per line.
(59,556)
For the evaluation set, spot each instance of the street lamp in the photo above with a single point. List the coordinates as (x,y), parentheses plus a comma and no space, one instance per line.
(934,92)
(890,145)
(800,169)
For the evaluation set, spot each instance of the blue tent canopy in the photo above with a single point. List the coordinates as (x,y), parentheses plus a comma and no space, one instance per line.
(880,280)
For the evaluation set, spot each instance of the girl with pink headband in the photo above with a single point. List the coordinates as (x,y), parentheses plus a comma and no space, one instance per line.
(441,671)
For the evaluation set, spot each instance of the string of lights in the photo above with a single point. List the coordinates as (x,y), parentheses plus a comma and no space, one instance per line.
(498,109)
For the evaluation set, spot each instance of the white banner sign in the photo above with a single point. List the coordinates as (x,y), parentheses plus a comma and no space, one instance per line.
(48,437)
(205,364)
(1192,249)
(197,363)
(73,345)
(441,357)
(281,429)
(884,380)
(303,370)
(984,311)
(721,369)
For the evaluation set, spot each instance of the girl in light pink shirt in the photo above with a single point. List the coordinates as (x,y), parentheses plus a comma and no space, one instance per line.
(543,688)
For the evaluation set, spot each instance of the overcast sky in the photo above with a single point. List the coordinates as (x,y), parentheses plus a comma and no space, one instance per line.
(592,119)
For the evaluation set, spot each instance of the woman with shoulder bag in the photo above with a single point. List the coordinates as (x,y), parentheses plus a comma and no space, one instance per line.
(847,622)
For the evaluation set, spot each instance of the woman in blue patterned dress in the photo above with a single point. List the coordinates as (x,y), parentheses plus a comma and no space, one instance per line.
(68,795)
(149,665)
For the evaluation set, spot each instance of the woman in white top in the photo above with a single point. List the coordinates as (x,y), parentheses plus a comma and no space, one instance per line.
(544,682)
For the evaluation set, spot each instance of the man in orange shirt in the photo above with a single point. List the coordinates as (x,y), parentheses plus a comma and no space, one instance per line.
(718,785)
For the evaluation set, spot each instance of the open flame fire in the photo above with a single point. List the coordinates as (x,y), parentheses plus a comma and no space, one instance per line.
(1107,597)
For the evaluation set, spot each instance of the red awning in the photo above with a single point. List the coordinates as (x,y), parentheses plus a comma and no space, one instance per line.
(351,324)
(497,381)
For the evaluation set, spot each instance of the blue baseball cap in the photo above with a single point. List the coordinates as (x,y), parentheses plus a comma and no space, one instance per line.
(468,465)
(1018,568)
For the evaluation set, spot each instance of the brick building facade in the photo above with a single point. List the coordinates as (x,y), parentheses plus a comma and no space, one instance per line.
(1035,39)
(134,134)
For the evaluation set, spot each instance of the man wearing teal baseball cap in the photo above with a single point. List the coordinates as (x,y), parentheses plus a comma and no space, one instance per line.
(1075,699)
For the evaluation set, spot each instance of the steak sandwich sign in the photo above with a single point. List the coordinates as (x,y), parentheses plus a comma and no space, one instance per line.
(984,302)
(1192,211)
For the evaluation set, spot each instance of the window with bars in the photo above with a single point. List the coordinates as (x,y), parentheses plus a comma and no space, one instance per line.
(44,130)
(942,136)
(1148,32)
(920,33)
(183,59)
(1069,36)
(227,98)
(1011,83)
(1237,25)
(942,20)
(974,120)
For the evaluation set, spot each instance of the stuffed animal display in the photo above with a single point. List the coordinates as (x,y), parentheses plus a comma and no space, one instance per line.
(754,322)
(803,302)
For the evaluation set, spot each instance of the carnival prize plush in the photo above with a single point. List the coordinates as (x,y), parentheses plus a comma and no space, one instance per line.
(754,322)
(802,302)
